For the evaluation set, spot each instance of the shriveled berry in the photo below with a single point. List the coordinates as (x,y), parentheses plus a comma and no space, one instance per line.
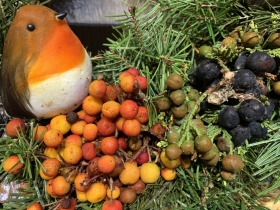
(223,144)
(250,39)
(274,40)
(72,117)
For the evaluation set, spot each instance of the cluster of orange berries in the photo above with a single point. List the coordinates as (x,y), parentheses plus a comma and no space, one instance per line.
(86,151)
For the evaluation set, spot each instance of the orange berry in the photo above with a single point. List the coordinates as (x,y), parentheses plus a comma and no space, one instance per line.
(53,138)
(38,132)
(129,109)
(60,186)
(118,168)
(168,174)
(124,74)
(142,115)
(119,123)
(130,174)
(106,163)
(92,105)
(96,193)
(106,126)
(142,83)
(97,88)
(43,176)
(127,83)
(133,71)
(109,145)
(13,165)
(72,154)
(35,206)
(14,127)
(112,204)
(88,151)
(49,189)
(50,167)
(90,132)
(73,139)
(112,93)
(82,113)
(78,127)
(114,193)
(111,109)
(81,196)
(60,123)
(81,182)
(90,118)
(131,128)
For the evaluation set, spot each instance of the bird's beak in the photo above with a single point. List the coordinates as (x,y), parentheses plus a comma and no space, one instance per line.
(61,15)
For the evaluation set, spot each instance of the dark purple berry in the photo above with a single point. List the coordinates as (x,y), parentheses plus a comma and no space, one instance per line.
(260,62)
(257,130)
(251,110)
(255,90)
(239,134)
(208,70)
(228,117)
(241,60)
(243,80)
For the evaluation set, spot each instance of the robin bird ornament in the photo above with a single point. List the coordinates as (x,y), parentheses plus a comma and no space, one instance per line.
(45,69)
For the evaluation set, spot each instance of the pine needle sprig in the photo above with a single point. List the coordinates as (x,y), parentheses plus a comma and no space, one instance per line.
(25,196)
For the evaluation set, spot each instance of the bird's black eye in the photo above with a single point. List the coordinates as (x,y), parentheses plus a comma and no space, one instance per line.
(30,27)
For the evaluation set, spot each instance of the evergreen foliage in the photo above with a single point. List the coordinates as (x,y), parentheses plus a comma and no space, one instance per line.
(160,37)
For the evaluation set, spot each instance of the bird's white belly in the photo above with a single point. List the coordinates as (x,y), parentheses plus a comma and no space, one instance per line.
(61,93)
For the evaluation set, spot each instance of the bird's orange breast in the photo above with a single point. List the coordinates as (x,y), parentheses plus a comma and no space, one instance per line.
(61,52)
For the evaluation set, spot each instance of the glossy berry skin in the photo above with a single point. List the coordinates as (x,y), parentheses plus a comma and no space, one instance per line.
(243,80)
(257,130)
(229,117)
(239,134)
(208,70)
(260,62)
(251,110)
